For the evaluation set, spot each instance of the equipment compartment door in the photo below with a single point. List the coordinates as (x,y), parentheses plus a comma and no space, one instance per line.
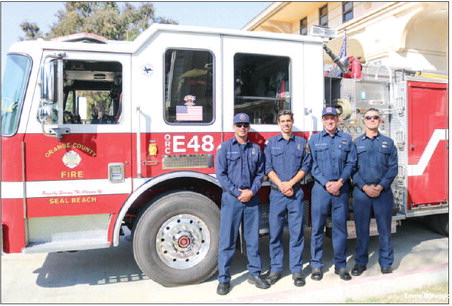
(428,143)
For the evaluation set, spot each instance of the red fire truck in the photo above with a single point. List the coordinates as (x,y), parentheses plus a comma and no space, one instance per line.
(98,135)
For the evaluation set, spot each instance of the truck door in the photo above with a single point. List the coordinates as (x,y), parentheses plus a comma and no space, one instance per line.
(427,136)
(78,151)
(177,87)
(265,77)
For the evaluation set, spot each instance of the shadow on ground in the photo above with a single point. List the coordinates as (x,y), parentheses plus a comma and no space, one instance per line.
(117,264)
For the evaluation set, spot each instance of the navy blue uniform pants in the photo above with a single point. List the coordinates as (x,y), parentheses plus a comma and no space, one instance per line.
(363,206)
(279,205)
(233,212)
(322,203)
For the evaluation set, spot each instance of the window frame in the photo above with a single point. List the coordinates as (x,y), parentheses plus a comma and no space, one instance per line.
(304,26)
(214,106)
(288,100)
(325,14)
(346,12)
(118,116)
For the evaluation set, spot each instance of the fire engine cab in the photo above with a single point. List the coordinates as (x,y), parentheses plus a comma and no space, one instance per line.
(99,134)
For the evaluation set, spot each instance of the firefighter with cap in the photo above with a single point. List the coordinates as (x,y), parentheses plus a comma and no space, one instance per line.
(334,159)
(287,161)
(377,168)
(240,169)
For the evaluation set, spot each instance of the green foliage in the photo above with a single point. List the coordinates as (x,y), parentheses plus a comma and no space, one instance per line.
(107,19)
(31,30)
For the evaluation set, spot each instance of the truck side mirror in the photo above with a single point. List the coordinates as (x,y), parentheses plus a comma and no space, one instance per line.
(47,113)
(48,80)
(50,112)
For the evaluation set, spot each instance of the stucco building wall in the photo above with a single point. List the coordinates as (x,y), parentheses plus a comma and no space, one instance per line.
(412,35)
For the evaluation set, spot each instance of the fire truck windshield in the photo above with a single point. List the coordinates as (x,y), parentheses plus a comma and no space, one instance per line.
(14,84)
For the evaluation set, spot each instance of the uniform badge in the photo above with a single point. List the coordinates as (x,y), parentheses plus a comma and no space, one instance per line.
(253,151)
(385,144)
(308,149)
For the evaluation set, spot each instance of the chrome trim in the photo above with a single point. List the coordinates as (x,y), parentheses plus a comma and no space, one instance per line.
(138,110)
(427,211)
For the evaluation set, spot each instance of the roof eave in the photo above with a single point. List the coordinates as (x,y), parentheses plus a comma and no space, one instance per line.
(264,15)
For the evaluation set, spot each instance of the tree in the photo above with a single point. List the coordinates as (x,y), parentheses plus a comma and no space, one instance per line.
(31,30)
(107,19)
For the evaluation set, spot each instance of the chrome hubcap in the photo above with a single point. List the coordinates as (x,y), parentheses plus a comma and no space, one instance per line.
(183,241)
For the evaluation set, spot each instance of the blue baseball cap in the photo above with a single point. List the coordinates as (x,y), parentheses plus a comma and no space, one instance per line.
(329,111)
(241,118)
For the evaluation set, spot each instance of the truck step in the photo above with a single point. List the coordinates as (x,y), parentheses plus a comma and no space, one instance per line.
(67,233)
(351,230)
(68,245)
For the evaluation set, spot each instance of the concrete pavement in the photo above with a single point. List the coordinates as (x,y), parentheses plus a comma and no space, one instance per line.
(112,276)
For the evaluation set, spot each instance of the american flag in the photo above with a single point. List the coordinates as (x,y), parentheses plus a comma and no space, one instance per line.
(188,113)
(343,51)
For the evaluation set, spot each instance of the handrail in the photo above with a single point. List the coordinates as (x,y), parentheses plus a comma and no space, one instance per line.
(139,142)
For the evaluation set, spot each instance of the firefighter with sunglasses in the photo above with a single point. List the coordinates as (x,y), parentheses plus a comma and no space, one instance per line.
(240,169)
(377,168)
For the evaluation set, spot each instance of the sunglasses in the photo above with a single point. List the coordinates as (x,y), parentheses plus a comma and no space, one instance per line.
(372,117)
(245,125)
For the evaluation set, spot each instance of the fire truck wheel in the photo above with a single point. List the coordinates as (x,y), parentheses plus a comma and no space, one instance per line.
(175,241)
(439,223)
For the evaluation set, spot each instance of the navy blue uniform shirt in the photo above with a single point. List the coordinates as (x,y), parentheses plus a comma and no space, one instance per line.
(286,157)
(377,161)
(333,157)
(240,166)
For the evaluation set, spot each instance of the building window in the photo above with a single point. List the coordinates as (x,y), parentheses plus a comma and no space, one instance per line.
(347,11)
(188,86)
(262,86)
(323,16)
(304,26)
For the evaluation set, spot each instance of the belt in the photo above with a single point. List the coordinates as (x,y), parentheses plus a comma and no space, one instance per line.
(295,187)
(330,181)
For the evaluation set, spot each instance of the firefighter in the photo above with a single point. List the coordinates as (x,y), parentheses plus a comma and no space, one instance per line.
(334,159)
(240,169)
(287,161)
(377,168)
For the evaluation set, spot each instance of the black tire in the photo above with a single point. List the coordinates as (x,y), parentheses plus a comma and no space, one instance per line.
(175,241)
(439,223)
